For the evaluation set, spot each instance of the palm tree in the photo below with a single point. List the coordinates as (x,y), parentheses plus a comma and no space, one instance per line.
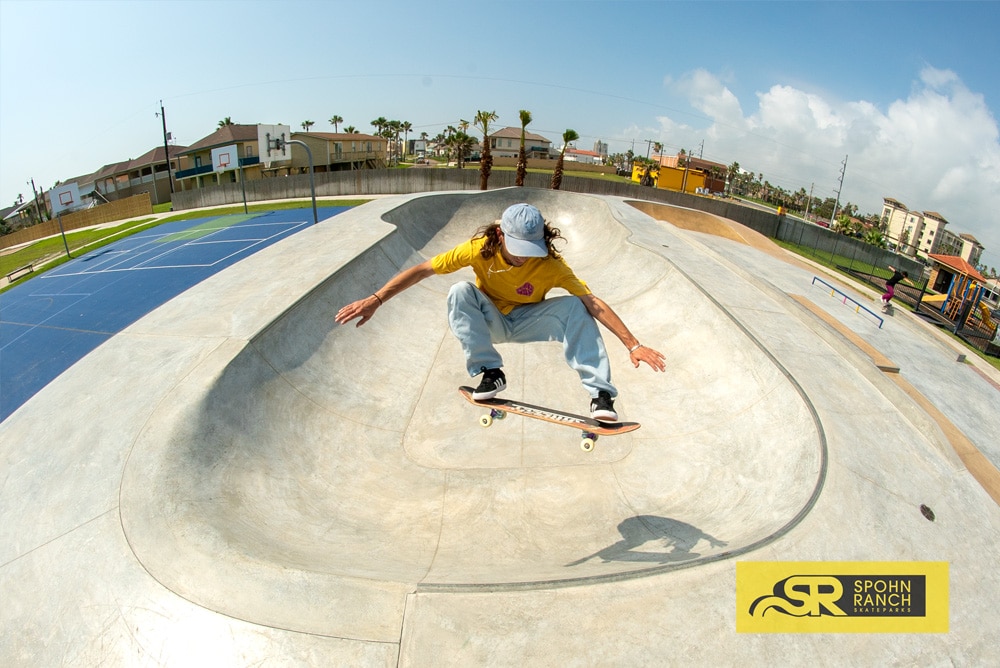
(568,136)
(225,121)
(351,130)
(406,126)
(379,124)
(335,121)
(306,125)
(460,145)
(392,134)
(522,159)
(482,122)
(732,171)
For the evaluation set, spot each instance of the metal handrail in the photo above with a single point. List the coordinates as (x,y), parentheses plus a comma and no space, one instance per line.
(848,298)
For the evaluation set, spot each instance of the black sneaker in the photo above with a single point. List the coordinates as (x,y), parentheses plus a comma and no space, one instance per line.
(492,384)
(603,407)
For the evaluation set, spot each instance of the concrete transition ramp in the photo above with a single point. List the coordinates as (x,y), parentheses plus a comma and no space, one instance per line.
(311,477)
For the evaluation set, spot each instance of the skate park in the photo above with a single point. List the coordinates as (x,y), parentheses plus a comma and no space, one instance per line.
(257,483)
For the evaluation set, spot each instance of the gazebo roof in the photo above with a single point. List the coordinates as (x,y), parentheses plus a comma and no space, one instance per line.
(959,264)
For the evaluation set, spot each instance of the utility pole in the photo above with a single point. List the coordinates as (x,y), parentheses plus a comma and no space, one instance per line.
(810,200)
(843,168)
(34,195)
(701,150)
(166,150)
(649,142)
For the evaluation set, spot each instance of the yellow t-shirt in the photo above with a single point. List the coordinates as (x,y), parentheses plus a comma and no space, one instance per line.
(508,286)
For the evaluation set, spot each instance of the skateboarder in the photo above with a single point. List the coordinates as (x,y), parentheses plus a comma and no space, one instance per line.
(516,264)
(890,286)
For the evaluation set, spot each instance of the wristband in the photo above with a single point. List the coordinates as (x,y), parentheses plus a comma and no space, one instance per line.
(634,348)
(375,295)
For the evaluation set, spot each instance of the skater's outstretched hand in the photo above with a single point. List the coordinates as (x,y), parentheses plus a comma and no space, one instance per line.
(365,308)
(654,358)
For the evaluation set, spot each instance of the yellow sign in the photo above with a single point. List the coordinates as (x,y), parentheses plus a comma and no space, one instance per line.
(841,597)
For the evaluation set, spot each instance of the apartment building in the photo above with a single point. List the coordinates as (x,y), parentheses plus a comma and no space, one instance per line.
(922,233)
(914,233)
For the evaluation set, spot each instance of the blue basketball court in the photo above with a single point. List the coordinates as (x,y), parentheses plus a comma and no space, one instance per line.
(50,322)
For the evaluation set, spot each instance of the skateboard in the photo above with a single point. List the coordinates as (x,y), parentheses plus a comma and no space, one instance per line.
(887,308)
(589,427)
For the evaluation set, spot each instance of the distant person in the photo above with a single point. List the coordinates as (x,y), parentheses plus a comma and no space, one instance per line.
(516,264)
(890,285)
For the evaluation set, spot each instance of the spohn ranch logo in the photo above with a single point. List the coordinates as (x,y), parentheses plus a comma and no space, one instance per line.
(842,597)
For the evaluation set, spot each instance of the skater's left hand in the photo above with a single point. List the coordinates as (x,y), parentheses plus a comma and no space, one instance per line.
(654,358)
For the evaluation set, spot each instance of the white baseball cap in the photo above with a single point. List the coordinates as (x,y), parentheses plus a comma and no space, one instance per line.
(524,231)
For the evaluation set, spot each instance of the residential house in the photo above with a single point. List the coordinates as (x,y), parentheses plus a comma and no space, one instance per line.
(198,171)
(586,157)
(147,173)
(506,143)
(338,151)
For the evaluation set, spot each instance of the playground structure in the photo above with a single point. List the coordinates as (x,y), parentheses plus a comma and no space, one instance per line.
(959,301)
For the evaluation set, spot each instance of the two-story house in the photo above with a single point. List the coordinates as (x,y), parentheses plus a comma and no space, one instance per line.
(506,143)
(147,173)
(338,151)
(198,171)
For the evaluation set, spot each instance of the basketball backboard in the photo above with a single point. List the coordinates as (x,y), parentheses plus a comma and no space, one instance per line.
(225,158)
(272,143)
(64,197)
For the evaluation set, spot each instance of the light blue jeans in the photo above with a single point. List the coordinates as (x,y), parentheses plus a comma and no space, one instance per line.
(478,324)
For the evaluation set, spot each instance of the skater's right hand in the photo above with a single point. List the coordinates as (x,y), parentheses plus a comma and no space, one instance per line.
(363,308)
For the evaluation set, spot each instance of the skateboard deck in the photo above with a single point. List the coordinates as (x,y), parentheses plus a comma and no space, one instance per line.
(589,427)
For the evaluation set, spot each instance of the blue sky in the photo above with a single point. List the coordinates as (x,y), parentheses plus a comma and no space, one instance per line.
(906,90)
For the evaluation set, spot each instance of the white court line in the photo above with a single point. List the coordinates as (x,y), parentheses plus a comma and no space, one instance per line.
(145,264)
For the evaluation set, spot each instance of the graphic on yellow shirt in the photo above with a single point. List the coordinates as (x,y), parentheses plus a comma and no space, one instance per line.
(508,286)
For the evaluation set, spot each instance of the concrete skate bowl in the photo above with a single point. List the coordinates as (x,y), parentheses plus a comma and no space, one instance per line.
(310,477)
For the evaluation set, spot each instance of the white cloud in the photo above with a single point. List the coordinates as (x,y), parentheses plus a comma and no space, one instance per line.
(707,94)
(936,150)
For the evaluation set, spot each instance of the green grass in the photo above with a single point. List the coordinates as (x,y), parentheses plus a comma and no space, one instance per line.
(835,262)
(50,246)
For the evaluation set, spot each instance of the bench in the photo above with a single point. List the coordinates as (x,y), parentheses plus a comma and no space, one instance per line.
(20,272)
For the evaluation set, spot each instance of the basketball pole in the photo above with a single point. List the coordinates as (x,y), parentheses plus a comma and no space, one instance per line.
(63,232)
(243,182)
(312,180)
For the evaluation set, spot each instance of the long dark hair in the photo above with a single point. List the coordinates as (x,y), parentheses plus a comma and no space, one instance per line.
(492,245)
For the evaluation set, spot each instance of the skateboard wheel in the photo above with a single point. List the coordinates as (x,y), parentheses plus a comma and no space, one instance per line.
(486,421)
(587,444)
